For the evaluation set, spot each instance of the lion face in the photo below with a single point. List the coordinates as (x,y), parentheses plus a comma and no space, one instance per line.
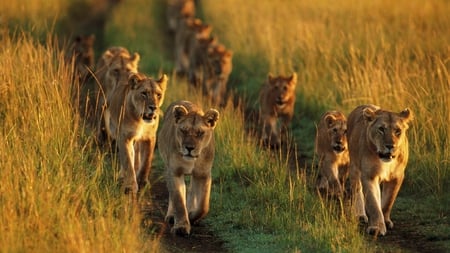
(147,96)
(337,132)
(387,131)
(282,89)
(119,64)
(194,131)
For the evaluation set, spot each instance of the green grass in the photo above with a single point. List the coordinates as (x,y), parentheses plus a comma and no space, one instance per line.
(59,193)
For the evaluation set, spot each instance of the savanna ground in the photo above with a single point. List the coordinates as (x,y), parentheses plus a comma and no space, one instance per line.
(59,193)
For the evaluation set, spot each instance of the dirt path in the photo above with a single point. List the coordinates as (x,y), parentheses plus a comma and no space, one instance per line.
(201,240)
(406,236)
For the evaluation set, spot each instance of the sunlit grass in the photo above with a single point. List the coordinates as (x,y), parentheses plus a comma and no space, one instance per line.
(57,194)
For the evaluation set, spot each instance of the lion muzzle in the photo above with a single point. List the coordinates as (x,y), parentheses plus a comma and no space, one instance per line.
(387,155)
(188,154)
(150,115)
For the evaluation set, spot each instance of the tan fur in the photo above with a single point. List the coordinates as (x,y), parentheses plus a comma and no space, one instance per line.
(216,79)
(188,31)
(276,100)
(114,66)
(378,148)
(331,148)
(177,10)
(82,50)
(199,60)
(133,116)
(186,145)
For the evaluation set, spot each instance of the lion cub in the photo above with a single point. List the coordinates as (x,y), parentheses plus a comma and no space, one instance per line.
(276,100)
(132,118)
(186,145)
(331,148)
(378,149)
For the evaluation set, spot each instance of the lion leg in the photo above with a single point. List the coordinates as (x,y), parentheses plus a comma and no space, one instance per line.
(329,181)
(390,192)
(177,205)
(372,194)
(357,195)
(199,195)
(127,175)
(145,161)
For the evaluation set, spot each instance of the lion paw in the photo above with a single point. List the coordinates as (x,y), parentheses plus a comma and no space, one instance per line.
(363,219)
(389,224)
(169,219)
(375,230)
(181,230)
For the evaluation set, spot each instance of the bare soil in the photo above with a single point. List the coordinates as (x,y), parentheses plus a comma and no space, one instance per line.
(405,237)
(202,239)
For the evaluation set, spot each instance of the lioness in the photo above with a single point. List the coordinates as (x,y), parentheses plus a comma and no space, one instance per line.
(331,148)
(115,65)
(186,145)
(276,100)
(82,49)
(216,79)
(177,10)
(133,116)
(189,29)
(378,149)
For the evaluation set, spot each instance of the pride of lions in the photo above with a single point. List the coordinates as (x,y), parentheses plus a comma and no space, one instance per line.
(370,147)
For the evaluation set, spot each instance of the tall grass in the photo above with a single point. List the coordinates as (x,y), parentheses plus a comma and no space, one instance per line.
(57,194)
(347,53)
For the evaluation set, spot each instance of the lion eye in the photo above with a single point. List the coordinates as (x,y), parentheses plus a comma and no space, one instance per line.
(398,132)
(184,131)
(144,94)
(335,130)
(200,133)
(381,130)
(158,96)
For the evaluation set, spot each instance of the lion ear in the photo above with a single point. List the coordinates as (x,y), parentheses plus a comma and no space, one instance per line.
(179,111)
(270,78)
(407,115)
(368,114)
(135,59)
(107,57)
(163,81)
(293,79)
(133,80)
(211,117)
(330,119)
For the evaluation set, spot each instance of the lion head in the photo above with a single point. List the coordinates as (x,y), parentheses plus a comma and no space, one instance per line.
(387,131)
(336,130)
(282,89)
(146,95)
(82,49)
(115,64)
(194,130)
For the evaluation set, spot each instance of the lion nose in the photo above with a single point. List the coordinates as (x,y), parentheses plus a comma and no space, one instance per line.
(389,146)
(189,148)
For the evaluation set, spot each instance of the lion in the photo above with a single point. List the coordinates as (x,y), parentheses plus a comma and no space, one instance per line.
(177,10)
(82,50)
(216,79)
(378,148)
(189,30)
(331,148)
(186,145)
(276,101)
(199,60)
(132,118)
(115,64)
